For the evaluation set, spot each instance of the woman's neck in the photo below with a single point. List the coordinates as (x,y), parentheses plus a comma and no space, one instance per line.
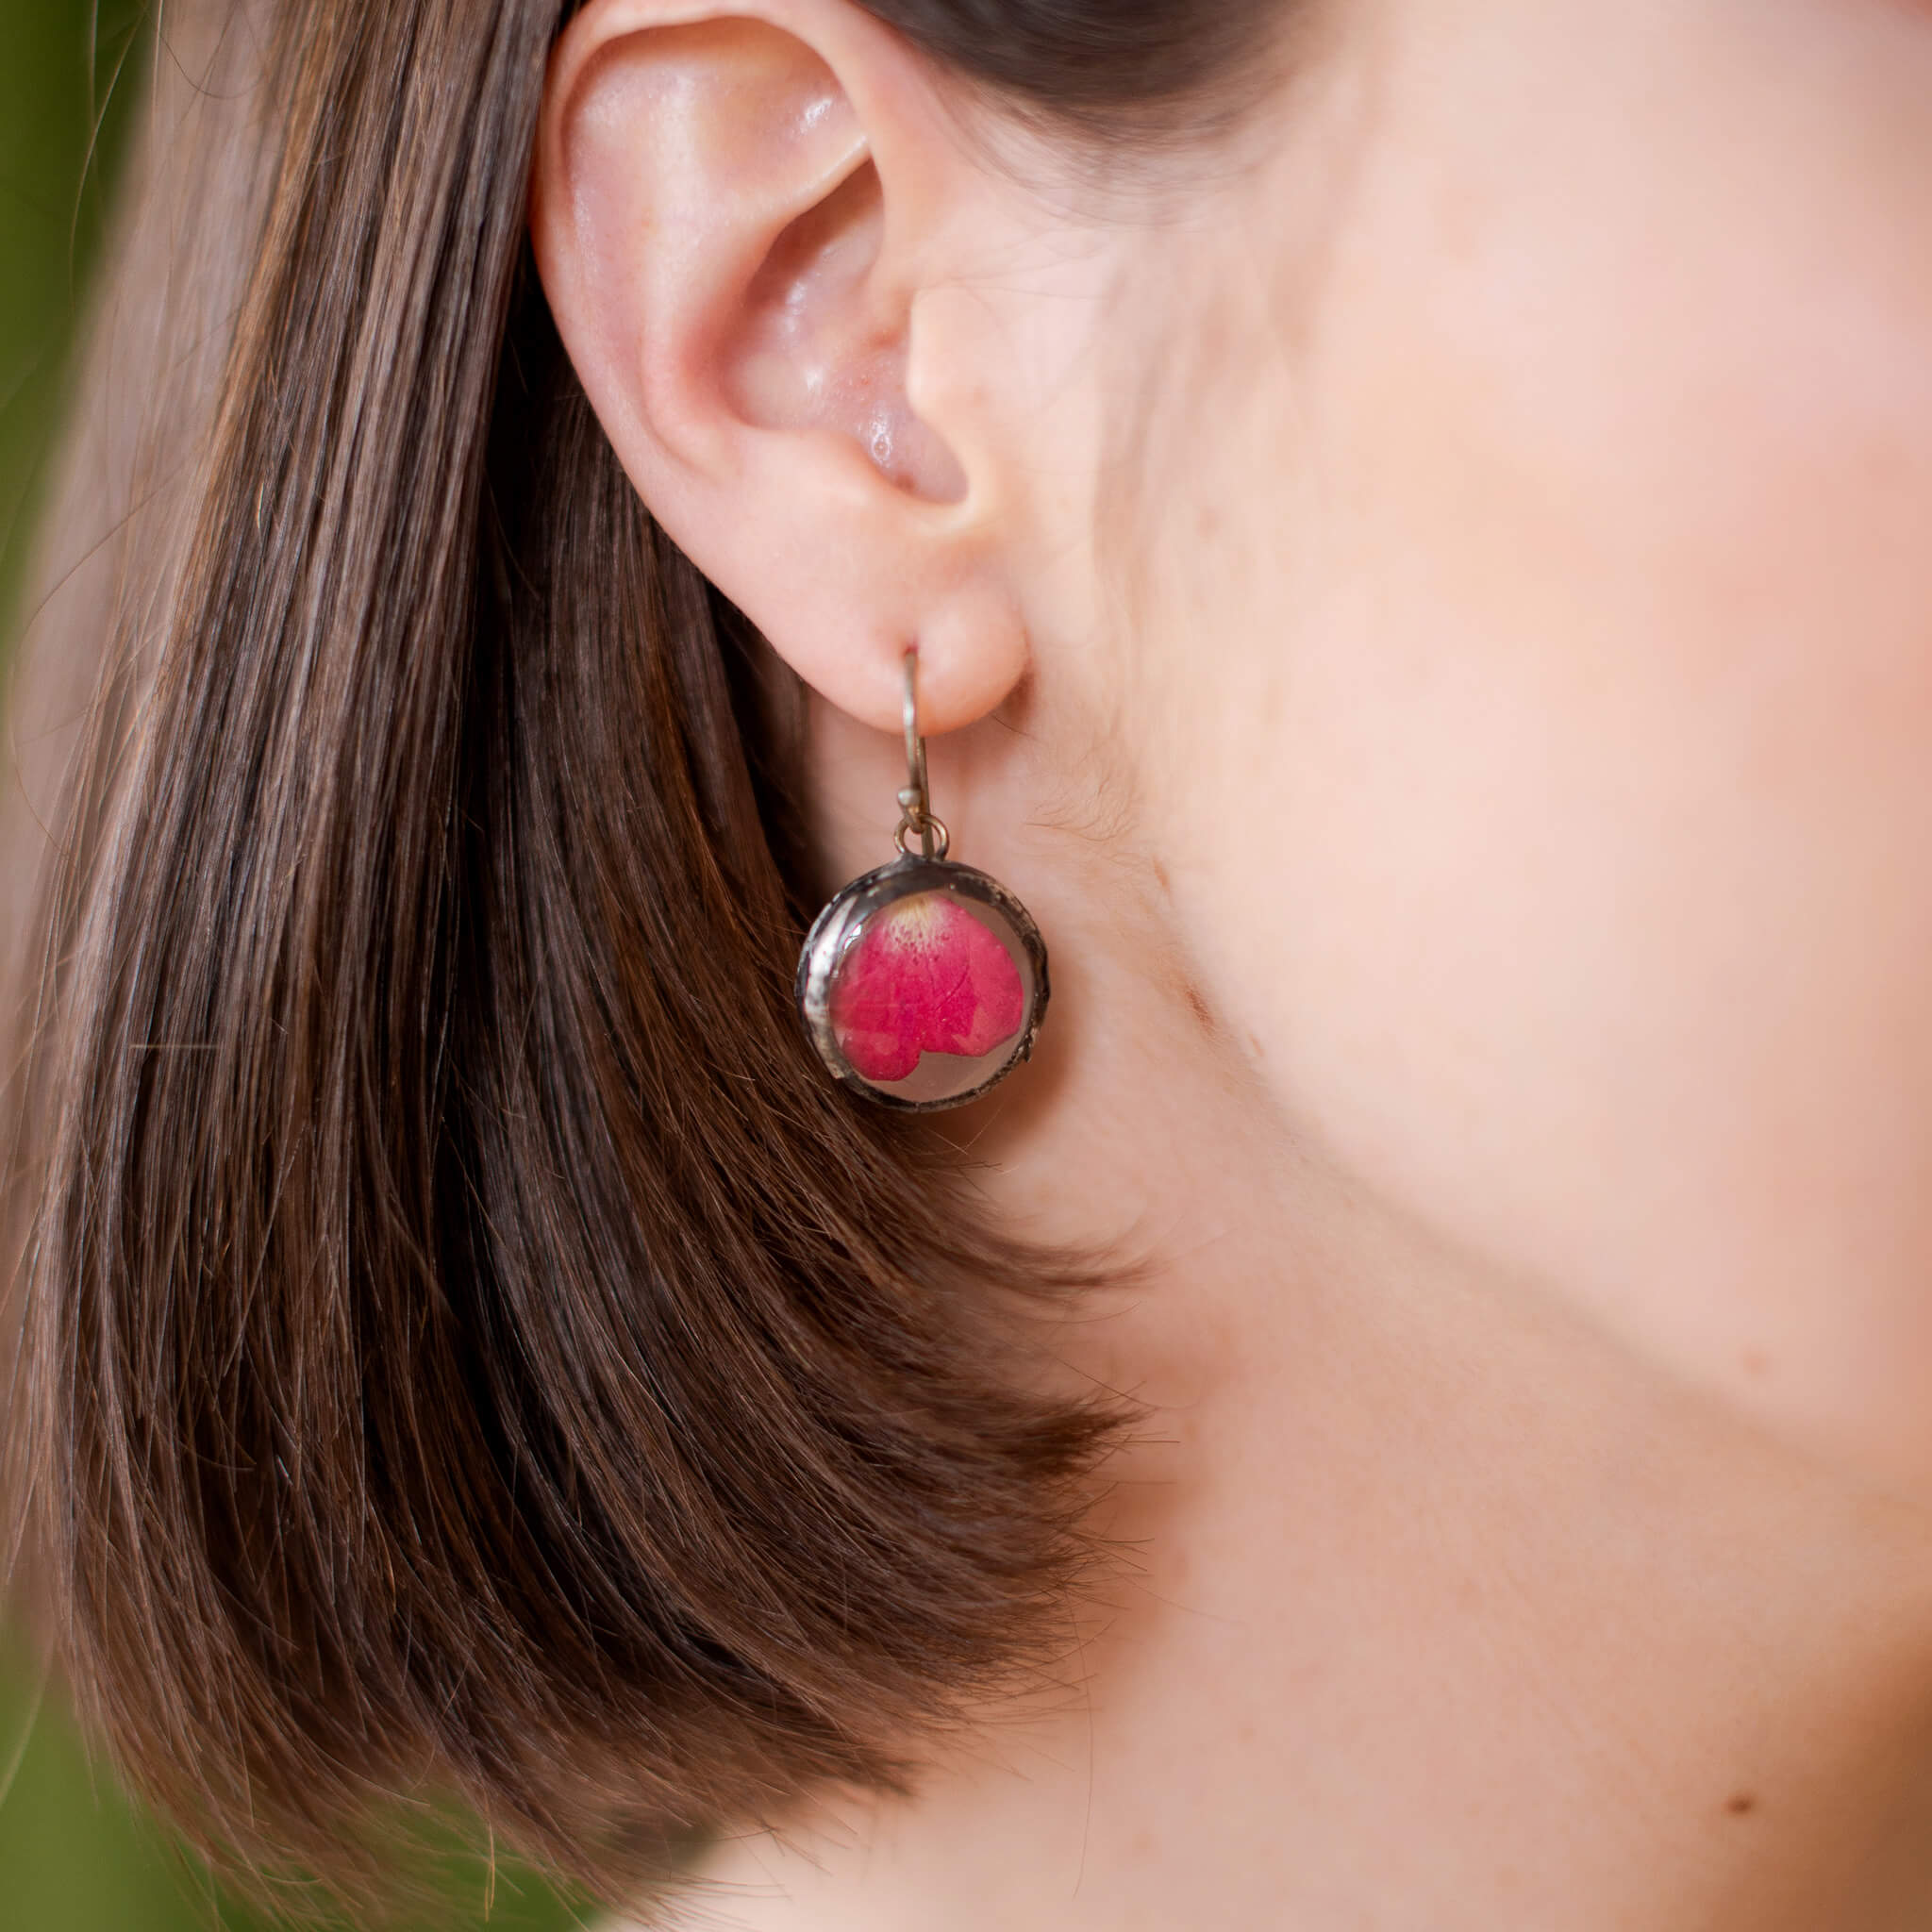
(1431,1608)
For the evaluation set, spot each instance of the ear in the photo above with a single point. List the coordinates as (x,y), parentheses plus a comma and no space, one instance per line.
(736,208)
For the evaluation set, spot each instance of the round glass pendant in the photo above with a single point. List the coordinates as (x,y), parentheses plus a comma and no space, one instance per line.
(923,984)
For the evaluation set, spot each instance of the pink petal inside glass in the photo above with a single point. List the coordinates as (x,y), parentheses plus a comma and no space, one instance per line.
(924,976)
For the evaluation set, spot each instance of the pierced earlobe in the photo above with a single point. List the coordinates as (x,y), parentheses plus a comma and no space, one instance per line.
(922,985)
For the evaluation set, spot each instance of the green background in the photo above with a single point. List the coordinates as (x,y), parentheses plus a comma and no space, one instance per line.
(75,1855)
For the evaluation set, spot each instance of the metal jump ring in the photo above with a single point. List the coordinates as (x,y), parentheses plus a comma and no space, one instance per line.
(934,839)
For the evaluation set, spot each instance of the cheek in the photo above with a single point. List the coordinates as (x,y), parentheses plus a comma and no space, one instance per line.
(1594,706)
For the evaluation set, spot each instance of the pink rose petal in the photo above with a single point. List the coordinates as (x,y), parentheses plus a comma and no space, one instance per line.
(926,976)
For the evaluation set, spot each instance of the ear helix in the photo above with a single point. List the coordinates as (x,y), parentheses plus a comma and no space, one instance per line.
(922,985)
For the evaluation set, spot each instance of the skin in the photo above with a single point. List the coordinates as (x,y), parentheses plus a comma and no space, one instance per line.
(1426,596)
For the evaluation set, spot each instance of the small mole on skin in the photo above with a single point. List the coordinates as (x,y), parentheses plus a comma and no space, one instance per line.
(1198,1006)
(1755,1362)
(1160,873)
(1741,1803)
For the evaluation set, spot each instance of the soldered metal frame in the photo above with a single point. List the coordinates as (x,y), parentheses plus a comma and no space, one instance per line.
(845,919)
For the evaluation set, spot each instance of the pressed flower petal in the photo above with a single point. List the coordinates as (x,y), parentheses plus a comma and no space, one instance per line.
(998,1001)
(924,976)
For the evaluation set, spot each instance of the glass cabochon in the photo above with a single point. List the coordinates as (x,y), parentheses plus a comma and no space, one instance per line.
(923,984)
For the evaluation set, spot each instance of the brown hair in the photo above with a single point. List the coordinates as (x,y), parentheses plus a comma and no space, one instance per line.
(466,1339)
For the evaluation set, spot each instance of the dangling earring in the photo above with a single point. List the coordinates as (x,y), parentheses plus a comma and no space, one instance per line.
(923,984)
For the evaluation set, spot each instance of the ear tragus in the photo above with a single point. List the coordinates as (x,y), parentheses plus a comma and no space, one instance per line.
(814,355)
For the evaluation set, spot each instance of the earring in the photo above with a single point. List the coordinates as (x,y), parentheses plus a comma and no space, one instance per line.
(922,984)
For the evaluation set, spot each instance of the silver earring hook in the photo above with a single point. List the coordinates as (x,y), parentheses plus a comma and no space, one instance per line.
(915,801)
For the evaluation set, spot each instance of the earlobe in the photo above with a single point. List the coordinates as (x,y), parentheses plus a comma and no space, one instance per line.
(717,230)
